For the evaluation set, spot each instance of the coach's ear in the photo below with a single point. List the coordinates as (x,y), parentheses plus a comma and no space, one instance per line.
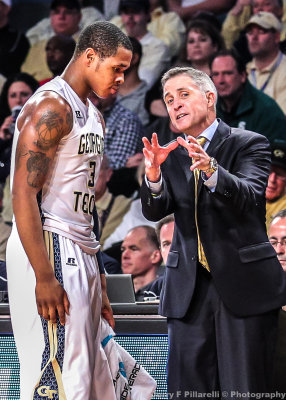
(211,99)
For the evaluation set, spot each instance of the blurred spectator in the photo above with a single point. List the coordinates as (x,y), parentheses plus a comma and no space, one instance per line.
(203,40)
(131,219)
(59,51)
(276,188)
(5,219)
(122,135)
(267,70)
(135,16)
(17,89)
(111,209)
(166,26)
(131,94)
(14,45)
(44,30)
(240,104)
(65,16)
(2,81)
(141,257)
(239,15)
(277,237)
(123,130)
(165,231)
(187,8)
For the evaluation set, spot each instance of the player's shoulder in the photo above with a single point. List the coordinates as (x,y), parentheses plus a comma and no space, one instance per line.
(50,109)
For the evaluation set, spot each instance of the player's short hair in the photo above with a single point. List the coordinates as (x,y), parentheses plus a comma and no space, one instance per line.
(104,37)
(200,78)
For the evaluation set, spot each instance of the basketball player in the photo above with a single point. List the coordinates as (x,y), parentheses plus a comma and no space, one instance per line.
(55,287)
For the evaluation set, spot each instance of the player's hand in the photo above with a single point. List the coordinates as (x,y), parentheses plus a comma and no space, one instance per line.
(196,152)
(155,155)
(52,300)
(106,310)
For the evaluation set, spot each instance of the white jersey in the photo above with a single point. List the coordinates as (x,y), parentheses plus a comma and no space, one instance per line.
(68,193)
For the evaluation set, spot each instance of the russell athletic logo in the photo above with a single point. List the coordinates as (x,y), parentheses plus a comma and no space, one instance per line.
(45,391)
(71,261)
(78,114)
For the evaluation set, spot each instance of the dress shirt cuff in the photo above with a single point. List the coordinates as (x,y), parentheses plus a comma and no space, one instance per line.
(155,187)
(212,181)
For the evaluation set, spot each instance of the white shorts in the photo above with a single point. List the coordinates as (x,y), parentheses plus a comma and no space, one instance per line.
(58,362)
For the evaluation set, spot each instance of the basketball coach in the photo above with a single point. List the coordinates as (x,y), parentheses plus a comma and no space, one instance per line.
(224,284)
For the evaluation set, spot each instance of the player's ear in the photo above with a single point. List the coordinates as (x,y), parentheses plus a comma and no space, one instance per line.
(90,55)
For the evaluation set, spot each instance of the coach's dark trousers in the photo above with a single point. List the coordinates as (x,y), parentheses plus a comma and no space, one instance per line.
(213,351)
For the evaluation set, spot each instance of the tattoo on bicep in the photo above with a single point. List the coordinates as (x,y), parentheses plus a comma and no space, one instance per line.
(69,121)
(50,129)
(37,166)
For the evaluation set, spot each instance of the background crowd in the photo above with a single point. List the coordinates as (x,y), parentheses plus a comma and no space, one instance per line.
(240,44)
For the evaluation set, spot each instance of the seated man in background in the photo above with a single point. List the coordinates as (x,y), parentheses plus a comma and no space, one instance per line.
(65,16)
(156,56)
(164,231)
(43,30)
(276,187)
(239,103)
(277,237)
(239,15)
(133,91)
(166,26)
(141,257)
(59,51)
(267,70)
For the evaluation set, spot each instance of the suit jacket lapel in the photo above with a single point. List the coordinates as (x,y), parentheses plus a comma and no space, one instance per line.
(222,132)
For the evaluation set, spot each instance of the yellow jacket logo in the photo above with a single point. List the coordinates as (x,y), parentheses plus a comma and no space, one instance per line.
(45,391)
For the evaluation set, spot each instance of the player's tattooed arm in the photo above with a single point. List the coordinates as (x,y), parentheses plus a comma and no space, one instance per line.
(50,128)
(41,138)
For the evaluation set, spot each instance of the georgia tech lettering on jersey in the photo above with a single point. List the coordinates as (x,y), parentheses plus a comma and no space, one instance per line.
(91,143)
(45,391)
(83,202)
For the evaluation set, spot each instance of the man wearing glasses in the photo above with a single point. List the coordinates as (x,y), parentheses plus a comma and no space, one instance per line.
(276,188)
(277,237)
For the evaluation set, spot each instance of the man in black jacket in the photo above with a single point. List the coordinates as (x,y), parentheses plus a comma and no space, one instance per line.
(224,284)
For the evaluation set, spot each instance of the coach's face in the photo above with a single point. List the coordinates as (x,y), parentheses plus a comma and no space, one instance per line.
(191,111)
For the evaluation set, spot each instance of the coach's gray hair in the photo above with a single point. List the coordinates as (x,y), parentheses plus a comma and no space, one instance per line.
(200,78)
